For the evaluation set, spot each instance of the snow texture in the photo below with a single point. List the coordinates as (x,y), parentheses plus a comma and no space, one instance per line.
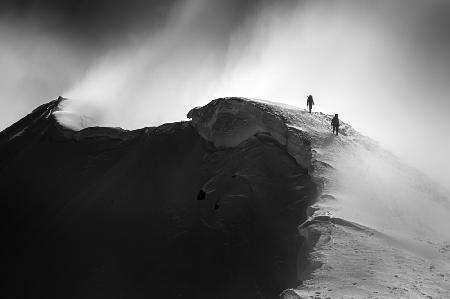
(379,228)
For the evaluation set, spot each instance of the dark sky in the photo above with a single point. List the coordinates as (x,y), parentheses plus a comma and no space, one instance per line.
(90,21)
(96,22)
(383,65)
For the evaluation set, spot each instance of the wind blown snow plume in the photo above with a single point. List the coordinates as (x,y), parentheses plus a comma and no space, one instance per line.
(351,61)
(382,65)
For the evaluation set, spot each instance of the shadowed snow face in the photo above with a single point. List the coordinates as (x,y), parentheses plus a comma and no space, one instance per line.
(149,214)
(382,65)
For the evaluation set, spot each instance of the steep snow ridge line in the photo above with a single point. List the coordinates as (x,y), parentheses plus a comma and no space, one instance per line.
(47,109)
(19,128)
(226,122)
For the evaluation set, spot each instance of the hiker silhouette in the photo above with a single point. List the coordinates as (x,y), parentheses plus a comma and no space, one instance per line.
(310,102)
(335,124)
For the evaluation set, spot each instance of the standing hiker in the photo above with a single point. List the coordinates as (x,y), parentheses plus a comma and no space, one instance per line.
(335,124)
(310,102)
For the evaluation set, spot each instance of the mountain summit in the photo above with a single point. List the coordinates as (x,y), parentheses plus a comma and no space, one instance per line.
(248,199)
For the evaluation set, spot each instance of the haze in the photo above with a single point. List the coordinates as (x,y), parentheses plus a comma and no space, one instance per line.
(384,66)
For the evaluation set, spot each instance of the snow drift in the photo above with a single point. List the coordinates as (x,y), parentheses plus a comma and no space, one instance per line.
(249,199)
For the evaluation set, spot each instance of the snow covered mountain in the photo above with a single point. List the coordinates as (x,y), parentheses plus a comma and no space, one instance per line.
(249,199)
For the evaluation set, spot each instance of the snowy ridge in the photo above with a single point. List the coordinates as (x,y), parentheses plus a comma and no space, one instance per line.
(194,214)
(277,198)
(376,229)
(31,120)
(227,122)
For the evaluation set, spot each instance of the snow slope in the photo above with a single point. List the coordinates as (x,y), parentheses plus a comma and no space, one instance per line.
(249,199)
(152,213)
(381,228)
